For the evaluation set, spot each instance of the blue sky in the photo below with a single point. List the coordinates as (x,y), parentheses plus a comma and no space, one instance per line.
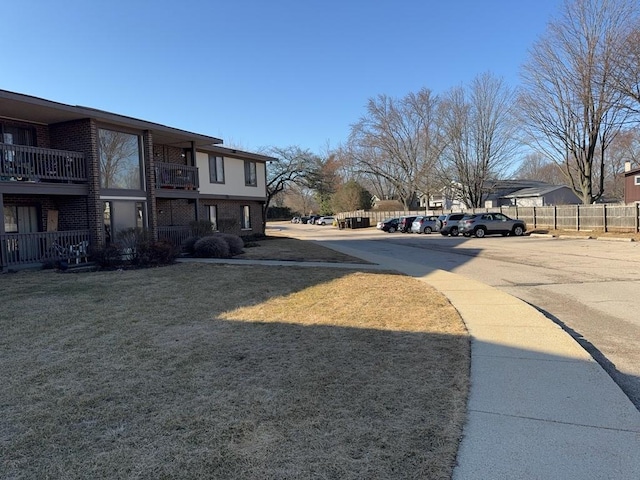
(260,73)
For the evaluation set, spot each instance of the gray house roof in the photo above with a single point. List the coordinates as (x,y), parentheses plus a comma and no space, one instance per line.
(535,191)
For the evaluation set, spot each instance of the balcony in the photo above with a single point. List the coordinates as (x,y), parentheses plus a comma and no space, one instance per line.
(176,176)
(32,164)
(23,249)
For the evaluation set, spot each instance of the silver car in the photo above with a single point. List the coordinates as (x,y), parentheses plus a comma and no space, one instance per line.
(425,224)
(481,224)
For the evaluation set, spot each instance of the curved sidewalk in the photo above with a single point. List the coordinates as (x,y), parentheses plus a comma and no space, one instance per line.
(539,406)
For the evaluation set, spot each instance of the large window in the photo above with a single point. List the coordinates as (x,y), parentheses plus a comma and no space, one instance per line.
(216,169)
(120,160)
(250,178)
(246,217)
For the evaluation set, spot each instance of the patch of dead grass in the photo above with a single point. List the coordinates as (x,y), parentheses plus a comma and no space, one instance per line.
(285,248)
(220,371)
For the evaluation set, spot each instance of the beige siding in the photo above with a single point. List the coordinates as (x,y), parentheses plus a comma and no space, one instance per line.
(233,185)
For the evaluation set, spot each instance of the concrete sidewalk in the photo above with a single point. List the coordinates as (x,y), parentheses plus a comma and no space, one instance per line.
(540,407)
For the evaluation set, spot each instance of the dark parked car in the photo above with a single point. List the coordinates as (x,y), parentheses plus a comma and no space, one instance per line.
(404,225)
(448,224)
(312,219)
(389,225)
(481,224)
(425,224)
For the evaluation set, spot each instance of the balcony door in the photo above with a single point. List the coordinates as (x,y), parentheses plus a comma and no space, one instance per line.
(10,135)
(22,219)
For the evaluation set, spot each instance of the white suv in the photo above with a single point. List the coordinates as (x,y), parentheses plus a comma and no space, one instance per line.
(325,221)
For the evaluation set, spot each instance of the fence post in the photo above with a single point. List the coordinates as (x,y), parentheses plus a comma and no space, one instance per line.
(578,218)
(604,216)
(555,217)
(637,217)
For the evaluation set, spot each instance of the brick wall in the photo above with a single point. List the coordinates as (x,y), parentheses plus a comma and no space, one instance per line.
(72,211)
(175,212)
(230,215)
(82,136)
(169,154)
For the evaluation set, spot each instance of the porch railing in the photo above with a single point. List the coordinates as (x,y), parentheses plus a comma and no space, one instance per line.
(24,163)
(174,175)
(176,235)
(43,247)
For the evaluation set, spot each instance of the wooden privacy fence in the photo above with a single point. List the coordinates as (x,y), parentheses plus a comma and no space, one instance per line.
(606,218)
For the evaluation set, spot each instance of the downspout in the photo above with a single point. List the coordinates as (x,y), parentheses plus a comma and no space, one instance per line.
(196,203)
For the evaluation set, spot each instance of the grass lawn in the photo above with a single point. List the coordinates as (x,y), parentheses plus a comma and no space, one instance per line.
(229,372)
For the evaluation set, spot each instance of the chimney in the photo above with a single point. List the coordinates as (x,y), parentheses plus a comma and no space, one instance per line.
(627,166)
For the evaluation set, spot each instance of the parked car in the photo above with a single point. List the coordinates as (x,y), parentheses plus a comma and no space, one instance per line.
(295,220)
(404,225)
(389,225)
(448,224)
(481,224)
(424,224)
(325,221)
(312,219)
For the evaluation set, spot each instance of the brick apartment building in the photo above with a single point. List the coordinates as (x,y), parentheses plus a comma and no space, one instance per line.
(71,177)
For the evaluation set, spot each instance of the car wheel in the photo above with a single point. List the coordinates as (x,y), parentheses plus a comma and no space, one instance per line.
(391,229)
(480,232)
(427,230)
(454,231)
(518,231)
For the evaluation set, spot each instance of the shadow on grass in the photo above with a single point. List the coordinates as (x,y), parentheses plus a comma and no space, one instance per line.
(177,372)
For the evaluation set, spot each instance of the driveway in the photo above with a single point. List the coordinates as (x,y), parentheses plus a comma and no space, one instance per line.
(588,286)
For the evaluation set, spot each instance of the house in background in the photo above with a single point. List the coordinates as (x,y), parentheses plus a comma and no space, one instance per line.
(542,196)
(631,184)
(72,177)
(528,193)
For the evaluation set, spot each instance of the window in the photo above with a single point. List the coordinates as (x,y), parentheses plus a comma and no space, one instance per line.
(637,180)
(250,178)
(120,160)
(17,135)
(246,217)
(216,169)
(213,217)
(22,219)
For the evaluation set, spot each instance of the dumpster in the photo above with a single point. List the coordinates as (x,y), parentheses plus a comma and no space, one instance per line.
(357,222)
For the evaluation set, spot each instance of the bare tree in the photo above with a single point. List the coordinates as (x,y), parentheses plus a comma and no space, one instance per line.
(300,198)
(570,107)
(350,196)
(291,168)
(397,140)
(479,130)
(535,166)
(626,76)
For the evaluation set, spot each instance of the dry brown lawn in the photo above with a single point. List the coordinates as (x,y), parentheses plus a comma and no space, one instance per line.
(229,372)
(285,248)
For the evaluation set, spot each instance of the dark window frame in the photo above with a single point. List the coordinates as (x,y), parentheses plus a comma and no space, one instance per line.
(216,176)
(250,174)
(245,217)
